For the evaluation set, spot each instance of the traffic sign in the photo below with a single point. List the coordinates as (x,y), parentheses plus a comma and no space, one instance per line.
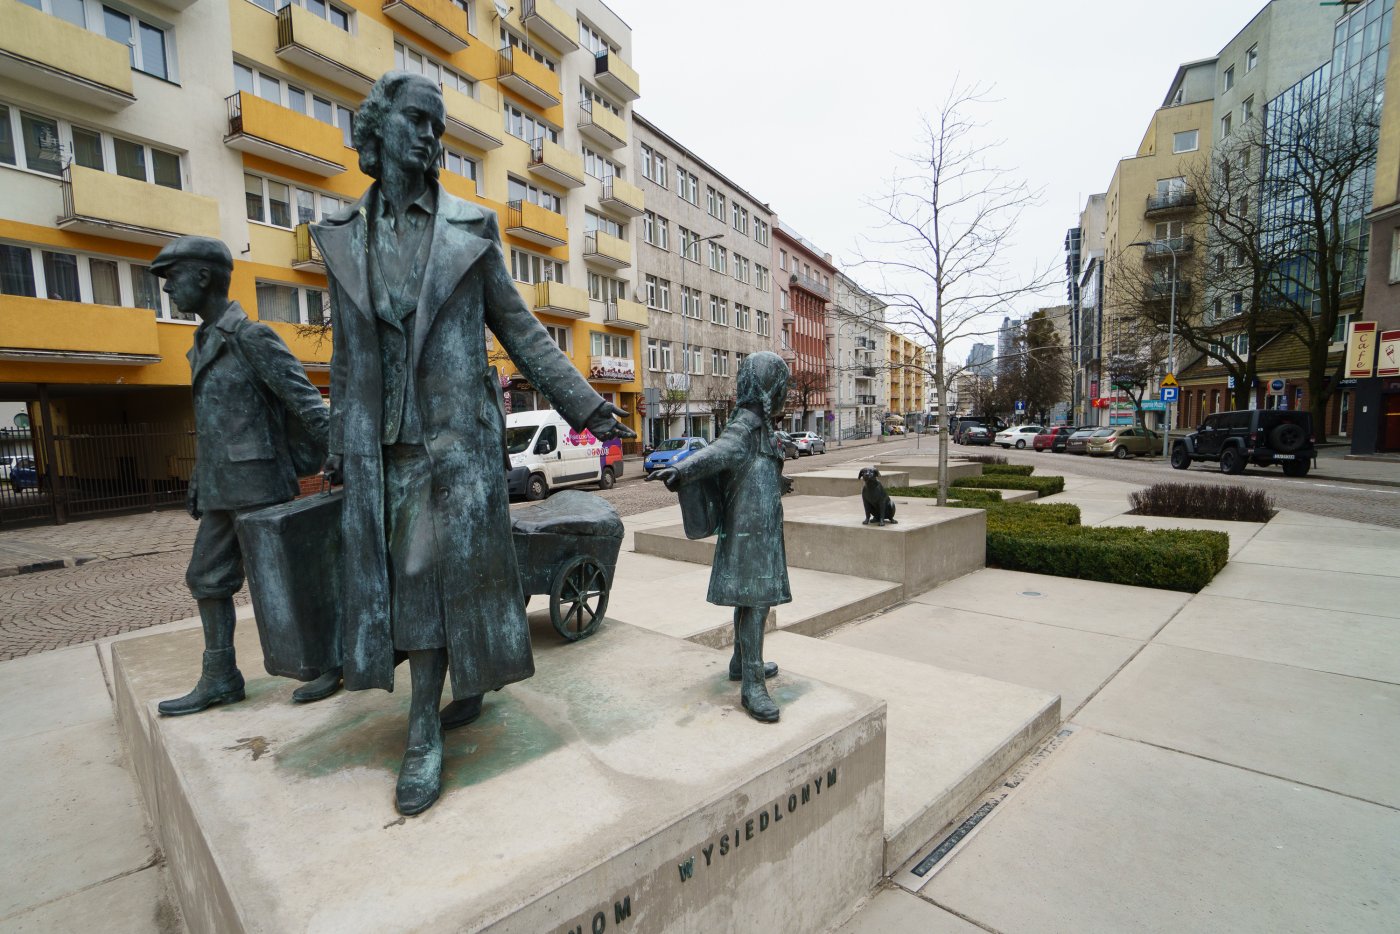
(1169,381)
(1020,406)
(1169,393)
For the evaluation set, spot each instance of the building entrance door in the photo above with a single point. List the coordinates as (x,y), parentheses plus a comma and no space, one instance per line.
(1390,422)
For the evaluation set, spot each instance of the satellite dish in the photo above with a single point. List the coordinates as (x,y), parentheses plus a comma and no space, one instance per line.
(502,9)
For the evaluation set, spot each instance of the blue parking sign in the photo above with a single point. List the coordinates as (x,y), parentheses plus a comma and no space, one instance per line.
(1169,393)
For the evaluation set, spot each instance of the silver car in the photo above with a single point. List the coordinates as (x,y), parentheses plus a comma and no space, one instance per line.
(809,442)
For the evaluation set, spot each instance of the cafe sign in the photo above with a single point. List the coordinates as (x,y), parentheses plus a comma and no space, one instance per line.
(1361,350)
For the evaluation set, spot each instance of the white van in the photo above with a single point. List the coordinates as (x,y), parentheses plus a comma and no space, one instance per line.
(545,453)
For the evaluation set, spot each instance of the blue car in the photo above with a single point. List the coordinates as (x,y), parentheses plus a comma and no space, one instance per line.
(671,452)
(24,475)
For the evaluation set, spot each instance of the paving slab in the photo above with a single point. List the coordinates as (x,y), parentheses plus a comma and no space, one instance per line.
(1300,725)
(1068,662)
(1352,534)
(895,911)
(52,690)
(1293,517)
(1241,533)
(1354,559)
(136,903)
(949,733)
(72,816)
(1302,587)
(1322,640)
(1111,835)
(1092,606)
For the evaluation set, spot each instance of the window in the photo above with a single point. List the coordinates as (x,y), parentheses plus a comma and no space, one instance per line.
(1242,206)
(40,143)
(658,293)
(715,362)
(695,361)
(690,302)
(1169,230)
(743,317)
(516,190)
(268,201)
(647,161)
(760,231)
(558,334)
(658,170)
(411,60)
(1229,77)
(593,221)
(458,164)
(1247,110)
(600,167)
(530,267)
(250,81)
(719,310)
(714,203)
(1395,255)
(510,40)
(653,354)
(145,40)
(609,345)
(593,40)
(719,258)
(656,230)
(782,259)
(38,272)
(783,300)
(1226,122)
(590,98)
(741,268)
(760,277)
(526,126)
(605,288)
(688,186)
(1186,141)
(740,218)
(764,321)
(1171,187)
(690,245)
(1251,58)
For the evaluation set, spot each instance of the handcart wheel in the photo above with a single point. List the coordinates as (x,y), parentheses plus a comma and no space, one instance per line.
(578,598)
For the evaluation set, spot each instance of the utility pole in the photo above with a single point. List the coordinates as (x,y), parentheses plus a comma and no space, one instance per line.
(685,329)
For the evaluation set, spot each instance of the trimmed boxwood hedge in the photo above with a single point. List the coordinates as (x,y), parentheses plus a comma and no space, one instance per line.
(1015,470)
(1043,486)
(1047,538)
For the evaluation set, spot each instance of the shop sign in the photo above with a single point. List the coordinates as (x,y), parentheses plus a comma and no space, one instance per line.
(1361,349)
(1388,363)
(612,369)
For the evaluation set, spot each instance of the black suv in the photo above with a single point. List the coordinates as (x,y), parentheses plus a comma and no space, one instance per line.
(1257,436)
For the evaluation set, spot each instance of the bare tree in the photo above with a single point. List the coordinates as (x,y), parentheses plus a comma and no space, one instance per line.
(946,225)
(1135,360)
(670,406)
(804,389)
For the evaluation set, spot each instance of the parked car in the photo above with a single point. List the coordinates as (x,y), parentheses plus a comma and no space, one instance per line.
(1045,441)
(1262,437)
(671,452)
(1125,440)
(24,475)
(977,434)
(809,442)
(1061,441)
(1078,442)
(789,445)
(7,461)
(1017,437)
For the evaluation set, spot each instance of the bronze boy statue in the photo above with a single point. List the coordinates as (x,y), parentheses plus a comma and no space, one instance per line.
(750,566)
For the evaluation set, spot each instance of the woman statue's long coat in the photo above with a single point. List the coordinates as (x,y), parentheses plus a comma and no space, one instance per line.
(465,290)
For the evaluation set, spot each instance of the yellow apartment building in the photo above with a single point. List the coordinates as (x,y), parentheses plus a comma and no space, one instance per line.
(124,125)
(906,368)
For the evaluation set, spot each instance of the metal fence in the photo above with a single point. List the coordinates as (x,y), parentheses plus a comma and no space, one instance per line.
(78,472)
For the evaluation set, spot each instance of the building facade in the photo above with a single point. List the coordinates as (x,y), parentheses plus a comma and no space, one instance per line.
(234,121)
(705,276)
(801,296)
(906,363)
(857,354)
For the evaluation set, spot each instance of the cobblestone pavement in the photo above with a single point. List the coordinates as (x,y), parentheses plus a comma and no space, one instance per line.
(136,577)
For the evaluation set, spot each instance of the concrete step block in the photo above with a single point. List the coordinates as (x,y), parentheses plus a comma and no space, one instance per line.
(925,467)
(841,482)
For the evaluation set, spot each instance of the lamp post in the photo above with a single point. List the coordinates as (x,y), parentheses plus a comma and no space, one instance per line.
(685,329)
(1171,338)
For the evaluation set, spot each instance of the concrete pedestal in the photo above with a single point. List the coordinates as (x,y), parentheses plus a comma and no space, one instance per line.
(841,482)
(621,788)
(925,466)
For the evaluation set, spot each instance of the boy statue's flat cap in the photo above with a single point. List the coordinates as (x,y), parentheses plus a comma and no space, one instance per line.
(193,249)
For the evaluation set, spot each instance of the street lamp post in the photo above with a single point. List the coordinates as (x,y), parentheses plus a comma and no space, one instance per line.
(1171,340)
(685,329)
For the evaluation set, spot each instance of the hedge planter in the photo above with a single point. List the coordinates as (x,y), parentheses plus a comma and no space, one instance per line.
(1043,486)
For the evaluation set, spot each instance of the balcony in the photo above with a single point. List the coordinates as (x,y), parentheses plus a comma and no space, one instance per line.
(46,52)
(550,24)
(307,256)
(1162,291)
(283,135)
(601,125)
(109,205)
(556,298)
(606,250)
(554,163)
(536,224)
(616,76)
(625,314)
(1170,203)
(622,198)
(1163,249)
(815,286)
(441,22)
(865,400)
(42,330)
(866,372)
(471,121)
(528,78)
(788,354)
(352,61)
(611,370)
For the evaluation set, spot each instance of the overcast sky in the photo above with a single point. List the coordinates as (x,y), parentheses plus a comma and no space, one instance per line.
(806,104)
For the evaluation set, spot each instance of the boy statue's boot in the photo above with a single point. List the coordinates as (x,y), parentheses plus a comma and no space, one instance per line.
(754,693)
(219,680)
(420,774)
(321,688)
(735,671)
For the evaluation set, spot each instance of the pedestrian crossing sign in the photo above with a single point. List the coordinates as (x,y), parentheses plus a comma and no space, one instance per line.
(1169,382)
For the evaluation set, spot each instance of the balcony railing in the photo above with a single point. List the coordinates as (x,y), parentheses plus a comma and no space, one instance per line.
(815,286)
(616,76)
(111,205)
(1171,201)
(441,22)
(551,161)
(536,224)
(606,250)
(308,255)
(471,121)
(46,52)
(1162,291)
(622,198)
(283,135)
(353,61)
(625,314)
(547,21)
(601,125)
(866,372)
(557,298)
(1156,249)
(865,400)
(528,78)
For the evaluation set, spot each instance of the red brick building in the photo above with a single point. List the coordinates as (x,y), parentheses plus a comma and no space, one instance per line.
(805,278)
